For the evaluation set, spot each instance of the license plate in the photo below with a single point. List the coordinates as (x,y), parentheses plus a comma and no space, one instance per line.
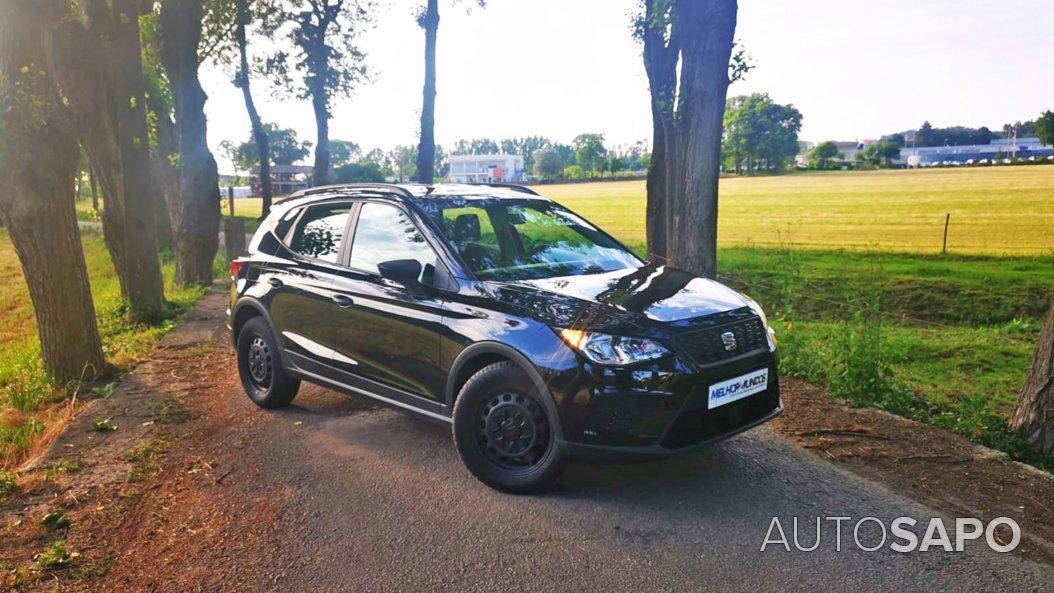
(736,389)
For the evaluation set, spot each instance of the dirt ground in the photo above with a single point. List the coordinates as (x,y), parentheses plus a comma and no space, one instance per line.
(151,506)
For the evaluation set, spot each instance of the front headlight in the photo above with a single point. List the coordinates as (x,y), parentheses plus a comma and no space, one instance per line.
(756,308)
(607,349)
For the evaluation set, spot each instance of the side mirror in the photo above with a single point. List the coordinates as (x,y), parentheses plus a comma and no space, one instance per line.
(403,271)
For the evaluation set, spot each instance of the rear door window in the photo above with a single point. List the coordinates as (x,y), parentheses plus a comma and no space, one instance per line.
(320,233)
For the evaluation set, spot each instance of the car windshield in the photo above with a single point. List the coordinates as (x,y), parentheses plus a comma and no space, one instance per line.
(512,239)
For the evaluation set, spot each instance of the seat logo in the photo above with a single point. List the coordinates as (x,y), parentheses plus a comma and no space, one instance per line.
(729,340)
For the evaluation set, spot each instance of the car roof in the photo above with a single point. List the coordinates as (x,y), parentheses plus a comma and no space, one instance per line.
(409,191)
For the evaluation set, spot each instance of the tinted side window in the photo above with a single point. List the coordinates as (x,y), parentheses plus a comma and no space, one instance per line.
(385,233)
(320,230)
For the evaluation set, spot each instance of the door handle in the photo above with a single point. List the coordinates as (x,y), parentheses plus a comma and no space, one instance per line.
(343,301)
(275,282)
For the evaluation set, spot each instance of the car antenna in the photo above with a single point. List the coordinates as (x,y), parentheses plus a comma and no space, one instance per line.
(429,189)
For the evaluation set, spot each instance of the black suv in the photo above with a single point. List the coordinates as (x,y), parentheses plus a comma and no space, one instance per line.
(536,335)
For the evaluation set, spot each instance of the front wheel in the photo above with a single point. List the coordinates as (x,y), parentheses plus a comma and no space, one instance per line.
(504,433)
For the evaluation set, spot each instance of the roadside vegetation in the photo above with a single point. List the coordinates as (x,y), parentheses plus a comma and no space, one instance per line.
(30,400)
(891,331)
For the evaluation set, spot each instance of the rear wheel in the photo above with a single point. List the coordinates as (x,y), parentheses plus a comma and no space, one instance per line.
(504,433)
(266,383)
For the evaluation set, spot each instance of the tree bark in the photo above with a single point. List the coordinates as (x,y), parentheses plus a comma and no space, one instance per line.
(322,174)
(1033,416)
(94,188)
(426,150)
(705,29)
(660,61)
(259,131)
(143,285)
(196,221)
(165,171)
(97,63)
(38,157)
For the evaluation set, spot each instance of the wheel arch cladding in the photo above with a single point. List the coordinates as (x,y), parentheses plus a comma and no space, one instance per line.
(483,354)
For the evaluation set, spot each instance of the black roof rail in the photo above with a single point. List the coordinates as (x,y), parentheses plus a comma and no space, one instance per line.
(387,187)
(514,187)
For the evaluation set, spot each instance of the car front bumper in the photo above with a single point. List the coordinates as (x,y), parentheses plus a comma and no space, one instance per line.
(655,411)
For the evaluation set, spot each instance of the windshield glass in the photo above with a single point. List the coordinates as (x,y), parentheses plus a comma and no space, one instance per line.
(511,239)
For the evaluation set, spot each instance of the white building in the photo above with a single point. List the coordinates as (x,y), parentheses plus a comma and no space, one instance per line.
(485,168)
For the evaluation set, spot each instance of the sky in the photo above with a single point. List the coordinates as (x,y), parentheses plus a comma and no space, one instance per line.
(559,68)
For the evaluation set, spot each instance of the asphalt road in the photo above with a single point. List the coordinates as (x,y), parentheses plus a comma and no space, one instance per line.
(369,499)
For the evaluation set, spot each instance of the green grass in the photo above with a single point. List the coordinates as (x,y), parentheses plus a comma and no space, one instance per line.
(994,211)
(942,340)
(26,392)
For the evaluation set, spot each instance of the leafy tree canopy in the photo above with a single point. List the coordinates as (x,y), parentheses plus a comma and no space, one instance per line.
(286,149)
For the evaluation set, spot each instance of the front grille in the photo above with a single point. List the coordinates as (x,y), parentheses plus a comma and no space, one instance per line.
(708,346)
(696,426)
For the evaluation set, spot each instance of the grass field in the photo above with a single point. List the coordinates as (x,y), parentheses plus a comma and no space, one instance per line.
(994,210)
(27,396)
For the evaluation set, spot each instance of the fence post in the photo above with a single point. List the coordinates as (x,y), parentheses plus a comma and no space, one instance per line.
(944,246)
(230,198)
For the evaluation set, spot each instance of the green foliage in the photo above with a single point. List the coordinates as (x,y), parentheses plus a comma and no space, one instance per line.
(927,135)
(343,152)
(1045,127)
(574,172)
(890,331)
(824,155)
(879,154)
(318,55)
(55,520)
(547,164)
(590,151)
(24,386)
(363,172)
(145,459)
(760,133)
(55,556)
(284,145)
(8,484)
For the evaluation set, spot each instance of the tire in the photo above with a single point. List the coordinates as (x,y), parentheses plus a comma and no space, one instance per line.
(504,432)
(264,379)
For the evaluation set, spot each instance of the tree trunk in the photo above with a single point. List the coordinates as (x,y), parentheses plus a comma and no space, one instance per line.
(1033,416)
(38,157)
(660,64)
(97,63)
(322,174)
(707,27)
(426,151)
(142,283)
(259,131)
(165,172)
(197,222)
(94,188)
(655,211)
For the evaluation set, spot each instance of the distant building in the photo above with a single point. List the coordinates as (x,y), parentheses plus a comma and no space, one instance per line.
(849,149)
(1021,148)
(285,179)
(485,168)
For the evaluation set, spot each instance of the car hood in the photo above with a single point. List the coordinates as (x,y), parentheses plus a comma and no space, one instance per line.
(648,297)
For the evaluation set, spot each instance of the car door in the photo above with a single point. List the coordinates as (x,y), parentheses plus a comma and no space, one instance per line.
(387,333)
(301,280)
